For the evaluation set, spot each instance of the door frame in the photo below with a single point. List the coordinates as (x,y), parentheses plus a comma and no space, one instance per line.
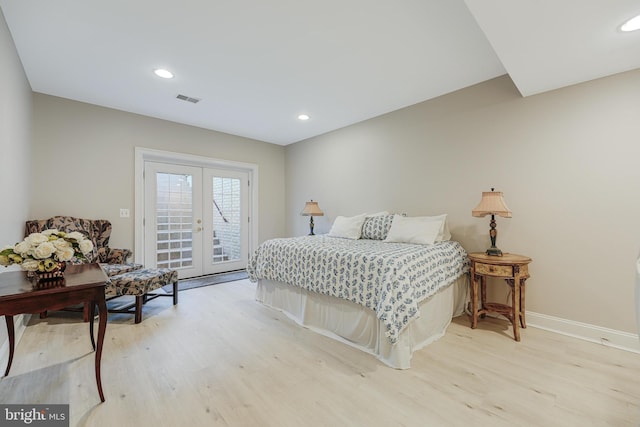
(147,154)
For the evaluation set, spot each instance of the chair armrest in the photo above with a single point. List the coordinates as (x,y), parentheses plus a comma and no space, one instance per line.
(113,256)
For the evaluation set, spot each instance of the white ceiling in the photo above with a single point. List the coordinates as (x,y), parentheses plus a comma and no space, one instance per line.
(257,64)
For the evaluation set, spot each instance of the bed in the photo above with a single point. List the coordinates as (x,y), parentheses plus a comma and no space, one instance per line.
(384,297)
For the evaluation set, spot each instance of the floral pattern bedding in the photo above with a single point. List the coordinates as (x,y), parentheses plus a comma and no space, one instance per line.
(389,278)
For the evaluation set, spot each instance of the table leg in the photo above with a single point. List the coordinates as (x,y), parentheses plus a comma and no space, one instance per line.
(12,341)
(474,300)
(102,327)
(515,307)
(92,313)
(523,323)
(483,294)
(85,313)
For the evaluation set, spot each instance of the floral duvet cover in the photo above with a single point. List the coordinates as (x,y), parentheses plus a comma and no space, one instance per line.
(389,278)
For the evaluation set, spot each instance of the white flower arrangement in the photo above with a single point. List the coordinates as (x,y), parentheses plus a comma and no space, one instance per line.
(42,252)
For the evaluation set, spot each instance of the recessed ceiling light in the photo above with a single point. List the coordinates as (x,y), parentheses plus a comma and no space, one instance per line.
(165,74)
(303,117)
(631,25)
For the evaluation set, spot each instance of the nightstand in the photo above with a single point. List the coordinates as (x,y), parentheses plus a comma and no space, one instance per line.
(515,271)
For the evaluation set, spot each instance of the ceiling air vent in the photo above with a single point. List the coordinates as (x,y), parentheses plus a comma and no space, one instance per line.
(188,99)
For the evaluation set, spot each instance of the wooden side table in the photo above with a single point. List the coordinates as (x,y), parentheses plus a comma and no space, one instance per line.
(84,283)
(514,269)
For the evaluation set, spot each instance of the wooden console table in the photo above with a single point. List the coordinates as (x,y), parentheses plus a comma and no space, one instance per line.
(83,283)
(514,269)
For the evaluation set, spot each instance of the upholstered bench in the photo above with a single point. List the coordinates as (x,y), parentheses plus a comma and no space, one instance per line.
(115,269)
(140,283)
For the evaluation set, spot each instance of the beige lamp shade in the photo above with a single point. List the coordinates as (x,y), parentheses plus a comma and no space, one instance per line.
(311,209)
(492,203)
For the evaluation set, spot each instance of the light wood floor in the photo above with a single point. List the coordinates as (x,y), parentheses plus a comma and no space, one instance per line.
(220,358)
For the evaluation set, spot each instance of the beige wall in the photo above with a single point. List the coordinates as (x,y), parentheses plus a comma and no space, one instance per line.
(15,136)
(567,161)
(15,146)
(84,158)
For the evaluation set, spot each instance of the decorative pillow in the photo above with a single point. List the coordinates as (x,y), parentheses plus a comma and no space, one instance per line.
(418,230)
(348,227)
(376,227)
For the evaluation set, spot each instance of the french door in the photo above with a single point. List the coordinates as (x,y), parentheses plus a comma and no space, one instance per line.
(196,219)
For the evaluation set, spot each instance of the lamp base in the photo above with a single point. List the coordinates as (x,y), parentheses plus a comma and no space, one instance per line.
(493,251)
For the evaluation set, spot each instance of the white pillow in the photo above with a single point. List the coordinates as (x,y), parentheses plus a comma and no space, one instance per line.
(418,230)
(348,227)
(444,233)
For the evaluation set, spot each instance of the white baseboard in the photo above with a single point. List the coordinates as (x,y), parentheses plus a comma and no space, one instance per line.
(609,337)
(20,324)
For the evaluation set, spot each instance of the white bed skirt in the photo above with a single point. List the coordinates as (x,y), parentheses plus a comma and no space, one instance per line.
(358,326)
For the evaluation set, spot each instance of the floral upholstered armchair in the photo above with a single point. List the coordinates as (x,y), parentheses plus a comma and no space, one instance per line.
(113,261)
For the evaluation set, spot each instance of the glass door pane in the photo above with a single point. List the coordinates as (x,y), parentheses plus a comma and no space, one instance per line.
(228,220)
(173,218)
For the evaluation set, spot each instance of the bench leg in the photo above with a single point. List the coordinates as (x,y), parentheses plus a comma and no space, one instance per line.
(175,292)
(140,300)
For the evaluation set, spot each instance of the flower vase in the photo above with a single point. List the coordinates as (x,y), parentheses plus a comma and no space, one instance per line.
(52,278)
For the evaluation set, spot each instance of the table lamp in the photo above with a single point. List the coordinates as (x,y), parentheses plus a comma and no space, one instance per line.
(492,204)
(311,209)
